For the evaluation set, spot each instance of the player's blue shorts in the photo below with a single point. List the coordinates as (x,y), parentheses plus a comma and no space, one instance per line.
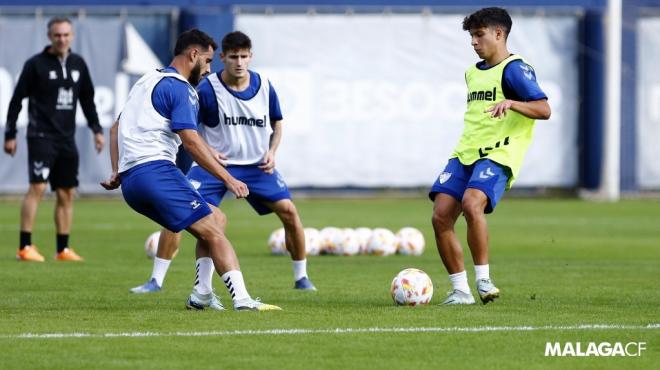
(161,192)
(263,187)
(484,174)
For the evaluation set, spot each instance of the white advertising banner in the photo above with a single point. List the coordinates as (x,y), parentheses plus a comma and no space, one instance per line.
(378,100)
(648,104)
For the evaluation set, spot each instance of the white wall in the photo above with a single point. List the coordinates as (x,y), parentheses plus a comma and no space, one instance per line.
(378,100)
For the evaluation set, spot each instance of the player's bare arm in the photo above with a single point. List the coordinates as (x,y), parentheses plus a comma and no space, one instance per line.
(537,109)
(114,180)
(203,155)
(268,165)
(220,157)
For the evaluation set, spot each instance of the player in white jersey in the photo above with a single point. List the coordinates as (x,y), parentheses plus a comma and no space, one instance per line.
(240,117)
(161,113)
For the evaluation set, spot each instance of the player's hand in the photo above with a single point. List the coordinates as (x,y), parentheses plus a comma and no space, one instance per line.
(238,188)
(499,109)
(221,158)
(99,142)
(10,147)
(268,165)
(112,183)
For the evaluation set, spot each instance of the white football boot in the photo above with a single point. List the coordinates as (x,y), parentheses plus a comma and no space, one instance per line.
(458,297)
(487,290)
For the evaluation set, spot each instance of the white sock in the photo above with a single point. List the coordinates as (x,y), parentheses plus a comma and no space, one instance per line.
(482,271)
(160,270)
(234,281)
(204,278)
(459,281)
(299,269)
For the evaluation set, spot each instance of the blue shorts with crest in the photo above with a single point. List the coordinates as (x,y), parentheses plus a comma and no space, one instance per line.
(485,175)
(263,187)
(160,191)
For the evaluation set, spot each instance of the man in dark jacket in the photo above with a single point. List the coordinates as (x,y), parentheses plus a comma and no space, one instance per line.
(53,81)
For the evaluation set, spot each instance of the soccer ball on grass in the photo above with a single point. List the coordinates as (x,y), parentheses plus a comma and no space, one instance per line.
(411,287)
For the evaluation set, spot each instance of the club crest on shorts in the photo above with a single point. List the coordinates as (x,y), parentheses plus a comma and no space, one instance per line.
(195,184)
(444,177)
(40,170)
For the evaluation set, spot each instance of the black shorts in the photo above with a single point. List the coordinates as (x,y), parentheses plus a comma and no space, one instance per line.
(53,160)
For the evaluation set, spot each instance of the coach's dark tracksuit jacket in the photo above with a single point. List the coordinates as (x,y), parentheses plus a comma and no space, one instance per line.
(53,91)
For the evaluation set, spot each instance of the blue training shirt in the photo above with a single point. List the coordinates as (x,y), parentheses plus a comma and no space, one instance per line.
(176,101)
(519,81)
(209,114)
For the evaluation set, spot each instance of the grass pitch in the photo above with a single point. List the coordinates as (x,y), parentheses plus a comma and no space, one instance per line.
(563,266)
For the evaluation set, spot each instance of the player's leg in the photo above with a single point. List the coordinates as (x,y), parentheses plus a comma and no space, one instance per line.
(63,220)
(446,210)
(27,251)
(474,203)
(159,191)
(294,240)
(168,246)
(64,180)
(30,205)
(447,193)
(295,234)
(485,188)
(40,154)
(269,193)
(202,294)
(212,241)
(212,190)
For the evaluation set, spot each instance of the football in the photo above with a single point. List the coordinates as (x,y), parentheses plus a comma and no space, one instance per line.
(331,238)
(151,245)
(276,242)
(382,242)
(363,234)
(312,241)
(411,287)
(410,242)
(350,243)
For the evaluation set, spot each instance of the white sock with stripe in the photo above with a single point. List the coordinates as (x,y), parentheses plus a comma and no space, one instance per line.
(234,281)
(204,278)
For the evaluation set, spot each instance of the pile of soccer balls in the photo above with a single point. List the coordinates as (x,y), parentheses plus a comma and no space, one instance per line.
(351,242)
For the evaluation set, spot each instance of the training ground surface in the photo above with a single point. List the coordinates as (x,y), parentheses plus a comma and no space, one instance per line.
(569,271)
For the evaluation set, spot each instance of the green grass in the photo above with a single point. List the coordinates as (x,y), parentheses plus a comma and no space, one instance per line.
(557,262)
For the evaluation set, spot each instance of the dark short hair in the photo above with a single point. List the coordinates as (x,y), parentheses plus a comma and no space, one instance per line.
(56,20)
(193,37)
(488,17)
(236,40)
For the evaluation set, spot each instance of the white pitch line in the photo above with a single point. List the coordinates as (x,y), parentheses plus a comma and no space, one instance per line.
(377,330)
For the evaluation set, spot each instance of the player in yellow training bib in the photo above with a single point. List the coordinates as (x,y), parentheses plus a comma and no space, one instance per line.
(503,101)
